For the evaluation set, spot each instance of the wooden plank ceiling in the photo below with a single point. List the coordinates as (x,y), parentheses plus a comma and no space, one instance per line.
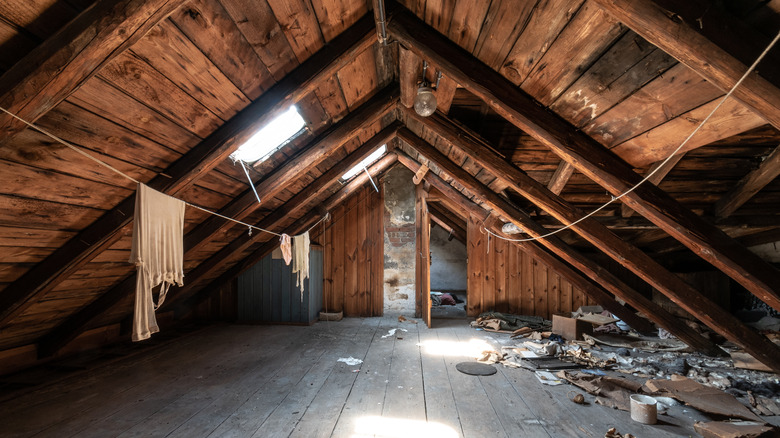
(164,90)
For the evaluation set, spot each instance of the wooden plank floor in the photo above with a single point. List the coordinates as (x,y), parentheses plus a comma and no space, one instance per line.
(279,381)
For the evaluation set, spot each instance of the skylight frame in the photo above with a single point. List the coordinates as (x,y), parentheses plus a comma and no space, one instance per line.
(258,147)
(372,158)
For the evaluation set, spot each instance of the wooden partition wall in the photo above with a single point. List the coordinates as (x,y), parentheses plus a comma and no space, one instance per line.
(505,279)
(353,243)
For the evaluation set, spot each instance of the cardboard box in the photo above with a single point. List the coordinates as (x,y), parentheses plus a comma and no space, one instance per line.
(569,328)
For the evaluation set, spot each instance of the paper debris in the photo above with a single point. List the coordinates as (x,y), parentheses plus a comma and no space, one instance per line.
(722,429)
(391,332)
(351,361)
(548,378)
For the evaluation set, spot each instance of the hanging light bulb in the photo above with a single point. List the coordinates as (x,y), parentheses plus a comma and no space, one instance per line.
(425,101)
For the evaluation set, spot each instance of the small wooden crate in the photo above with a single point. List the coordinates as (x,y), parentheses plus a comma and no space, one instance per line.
(331,316)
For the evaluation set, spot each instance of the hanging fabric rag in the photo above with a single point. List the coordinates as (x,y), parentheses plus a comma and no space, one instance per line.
(300,264)
(158,253)
(286,247)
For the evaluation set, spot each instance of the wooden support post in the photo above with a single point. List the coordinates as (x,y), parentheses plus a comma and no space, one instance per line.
(422,264)
(718,319)
(457,201)
(591,158)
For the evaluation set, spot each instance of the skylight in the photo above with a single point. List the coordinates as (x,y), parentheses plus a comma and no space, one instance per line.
(366,161)
(268,139)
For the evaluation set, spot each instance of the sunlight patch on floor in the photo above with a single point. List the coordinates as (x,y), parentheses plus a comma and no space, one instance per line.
(472,348)
(382,427)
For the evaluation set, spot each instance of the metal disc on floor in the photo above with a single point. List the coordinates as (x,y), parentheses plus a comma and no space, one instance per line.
(475,369)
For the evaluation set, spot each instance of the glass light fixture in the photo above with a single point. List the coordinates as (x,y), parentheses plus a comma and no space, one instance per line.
(425,100)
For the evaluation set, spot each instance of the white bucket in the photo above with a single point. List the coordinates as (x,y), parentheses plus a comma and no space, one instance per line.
(643,409)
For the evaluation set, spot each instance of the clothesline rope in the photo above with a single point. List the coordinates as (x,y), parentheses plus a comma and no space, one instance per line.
(663,163)
(119,172)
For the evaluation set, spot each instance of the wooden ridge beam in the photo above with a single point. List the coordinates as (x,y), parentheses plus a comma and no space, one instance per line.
(590,158)
(376,169)
(718,319)
(451,195)
(57,338)
(748,186)
(675,37)
(102,233)
(55,69)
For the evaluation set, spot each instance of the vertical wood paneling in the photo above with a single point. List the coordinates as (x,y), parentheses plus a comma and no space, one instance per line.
(353,243)
(505,279)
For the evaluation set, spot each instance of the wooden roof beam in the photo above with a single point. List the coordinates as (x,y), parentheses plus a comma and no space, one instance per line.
(446,221)
(661,169)
(74,325)
(748,186)
(675,37)
(718,319)
(312,155)
(535,250)
(591,158)
(376,170)
(101,234)
(60,65)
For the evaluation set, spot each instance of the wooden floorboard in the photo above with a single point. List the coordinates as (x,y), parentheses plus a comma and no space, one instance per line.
(286,381)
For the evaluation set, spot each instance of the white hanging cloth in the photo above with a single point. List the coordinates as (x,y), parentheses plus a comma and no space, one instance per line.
(300,263)
(158,253)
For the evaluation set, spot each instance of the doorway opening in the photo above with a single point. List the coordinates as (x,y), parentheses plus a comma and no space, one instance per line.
(449,273)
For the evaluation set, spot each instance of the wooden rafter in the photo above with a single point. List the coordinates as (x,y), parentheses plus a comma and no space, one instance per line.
(655,24)
(453,196)
(101,234)
(718,319)
(660,170)
(359,181)
(61,64)
(74,325)
(312,155)
(748,186)
(447,221)
(591,159)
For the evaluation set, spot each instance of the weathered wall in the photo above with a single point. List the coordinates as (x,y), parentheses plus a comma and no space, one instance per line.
(352,262)
(768,251)
(506,279)
(448,262)
(399,240)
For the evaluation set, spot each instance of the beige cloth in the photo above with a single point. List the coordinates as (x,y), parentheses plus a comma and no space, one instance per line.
(300,264)
(286,247)
(158,253)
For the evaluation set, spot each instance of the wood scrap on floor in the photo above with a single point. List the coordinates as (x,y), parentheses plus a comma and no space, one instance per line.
(723,429)
(703,398)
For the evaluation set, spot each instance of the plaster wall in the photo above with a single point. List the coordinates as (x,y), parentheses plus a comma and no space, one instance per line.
(399,242)
(448,262)
(768,251)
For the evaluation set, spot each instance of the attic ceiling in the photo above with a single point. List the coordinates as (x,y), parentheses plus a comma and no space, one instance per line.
(165,90)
